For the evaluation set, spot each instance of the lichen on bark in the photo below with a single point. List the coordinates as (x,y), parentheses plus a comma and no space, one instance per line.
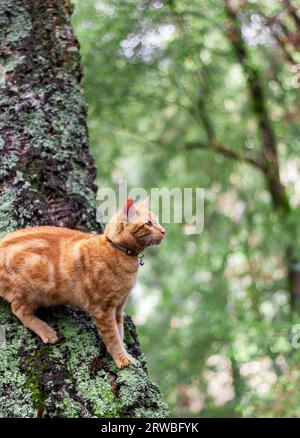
(45,161)
(47,178)
(74,378)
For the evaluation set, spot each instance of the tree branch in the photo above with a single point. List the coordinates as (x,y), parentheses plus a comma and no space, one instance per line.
(275,20)
(227,153)
(284,39)
(292,12)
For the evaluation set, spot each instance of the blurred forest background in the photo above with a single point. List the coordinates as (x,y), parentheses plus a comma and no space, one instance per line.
(193,93)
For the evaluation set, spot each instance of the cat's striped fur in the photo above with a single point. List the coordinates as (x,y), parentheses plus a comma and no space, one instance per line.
(46,266)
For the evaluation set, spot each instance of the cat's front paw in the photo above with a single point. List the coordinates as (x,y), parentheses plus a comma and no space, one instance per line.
(125,360)
(49,336)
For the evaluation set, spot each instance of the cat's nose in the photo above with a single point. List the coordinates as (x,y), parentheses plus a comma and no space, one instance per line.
(162,231)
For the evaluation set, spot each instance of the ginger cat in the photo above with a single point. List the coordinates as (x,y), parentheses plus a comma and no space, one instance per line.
(46,266)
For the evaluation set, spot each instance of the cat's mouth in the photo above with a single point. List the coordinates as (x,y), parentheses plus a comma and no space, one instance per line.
(157,240)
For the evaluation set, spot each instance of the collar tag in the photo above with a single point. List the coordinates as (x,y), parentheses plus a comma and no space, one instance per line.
(128,251)
(140,257)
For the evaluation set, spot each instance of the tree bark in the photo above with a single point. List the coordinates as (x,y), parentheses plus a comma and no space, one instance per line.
(47,177)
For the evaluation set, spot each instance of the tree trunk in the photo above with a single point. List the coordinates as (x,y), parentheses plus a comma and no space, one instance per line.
(47,177)
(269,147)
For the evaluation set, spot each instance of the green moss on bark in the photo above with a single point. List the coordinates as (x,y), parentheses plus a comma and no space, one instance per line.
(74,378)
(45,158)
(15,395)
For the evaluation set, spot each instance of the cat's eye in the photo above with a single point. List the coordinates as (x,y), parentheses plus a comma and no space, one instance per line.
(149,223)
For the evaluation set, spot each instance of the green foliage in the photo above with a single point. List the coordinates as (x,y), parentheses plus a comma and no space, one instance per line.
(213,309)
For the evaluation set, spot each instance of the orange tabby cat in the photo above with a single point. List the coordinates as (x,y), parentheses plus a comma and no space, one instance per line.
(45,266)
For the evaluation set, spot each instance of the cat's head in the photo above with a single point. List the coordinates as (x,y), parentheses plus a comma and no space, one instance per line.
(135,226)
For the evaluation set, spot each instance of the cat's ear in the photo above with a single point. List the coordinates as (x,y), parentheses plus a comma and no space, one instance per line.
(128,210)
(145,204)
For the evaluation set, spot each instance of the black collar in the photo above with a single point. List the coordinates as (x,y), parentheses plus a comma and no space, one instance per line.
(127,251)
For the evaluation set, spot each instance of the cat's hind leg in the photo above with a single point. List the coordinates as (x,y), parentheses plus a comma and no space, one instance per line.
(26,315)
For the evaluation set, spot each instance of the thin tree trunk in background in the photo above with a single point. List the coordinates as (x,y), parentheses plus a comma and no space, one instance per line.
(47,177)
(292,11)
(269,144)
